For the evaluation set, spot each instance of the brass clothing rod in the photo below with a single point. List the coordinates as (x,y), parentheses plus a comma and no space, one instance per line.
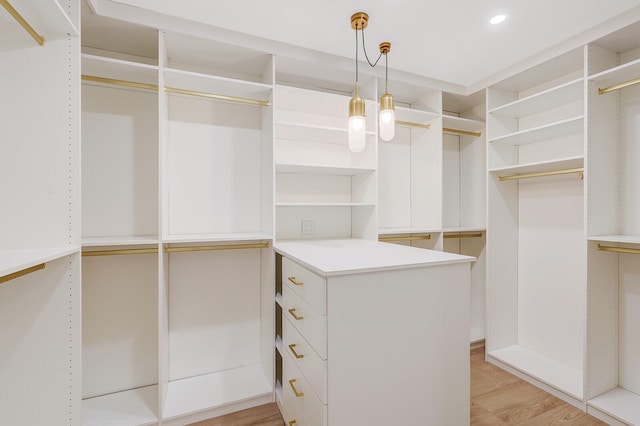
(119,82)
(461,132)
(119,252)
(221,247)
(618,249)
(412,124)
(137,85)
(388,239)
(619,86)
(474,235)
(18,274)
(217,97)
(37,37)
(579,170)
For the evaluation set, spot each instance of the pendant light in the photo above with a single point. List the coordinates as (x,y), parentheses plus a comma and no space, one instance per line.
(357,123)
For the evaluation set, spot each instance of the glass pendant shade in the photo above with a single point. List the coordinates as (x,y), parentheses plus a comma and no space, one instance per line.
(387,119)
(357,124)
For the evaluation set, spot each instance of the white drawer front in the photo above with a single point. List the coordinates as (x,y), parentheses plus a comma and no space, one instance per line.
(294,382)
(291,412)
(311,325)
(309,285)
(306,359)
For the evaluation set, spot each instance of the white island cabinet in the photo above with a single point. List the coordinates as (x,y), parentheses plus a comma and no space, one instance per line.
(371,333)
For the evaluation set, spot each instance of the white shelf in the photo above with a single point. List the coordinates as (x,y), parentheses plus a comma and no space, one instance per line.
(214,390)
(546,370)
(464,124)
(134,407)
(415,115)
(216,238)
(616,75)
(402,231)
(46,17)
(543,166)
(119,241)
(548,131)
(100,66)
(459,229)
(188,80)
(290,130)
(321,170)
(325,205)
(620,404)
(17,260)
(548,99)
(627,239)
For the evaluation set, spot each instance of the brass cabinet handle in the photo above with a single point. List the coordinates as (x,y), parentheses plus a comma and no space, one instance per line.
(293,280)
(295,391)
(292,422)
(291,346)
(292,311)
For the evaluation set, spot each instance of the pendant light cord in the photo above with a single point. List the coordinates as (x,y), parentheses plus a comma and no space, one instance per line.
(364,47)
(357,56)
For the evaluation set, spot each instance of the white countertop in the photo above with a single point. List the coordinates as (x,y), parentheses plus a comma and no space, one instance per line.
(350,256)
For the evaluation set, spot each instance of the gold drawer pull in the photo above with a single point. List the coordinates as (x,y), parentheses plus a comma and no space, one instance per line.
(292,311)
(292,422)
(293,280)
(291,346)
(295,391)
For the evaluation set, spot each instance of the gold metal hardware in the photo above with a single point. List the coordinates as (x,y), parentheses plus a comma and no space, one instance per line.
(356,104)
(579,170)
(293,351)
(115,82)
(461,132)
(420,237)
(412,124)
(618,249)
(292,311)
(359,21)
(220,247)
(217,97)
(292,422)
(385,47)
(293,280)
(16,15)
(619,86)
(89,253)
(295,391)
(18,274)
(474,235)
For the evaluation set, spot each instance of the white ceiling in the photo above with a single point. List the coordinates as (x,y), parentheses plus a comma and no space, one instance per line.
(446,40)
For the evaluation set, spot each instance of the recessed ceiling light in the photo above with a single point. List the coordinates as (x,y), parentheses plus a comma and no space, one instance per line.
(497,19)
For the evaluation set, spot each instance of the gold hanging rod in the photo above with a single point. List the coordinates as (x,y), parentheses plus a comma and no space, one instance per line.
(137,85)
(119,82)
(412,124)
(461,132)
(18,274)
(618,249)
(37,37)
(119,252)
(579,170)
(474,235)
(217,97)
(221,247)
(416,238)
(619,86)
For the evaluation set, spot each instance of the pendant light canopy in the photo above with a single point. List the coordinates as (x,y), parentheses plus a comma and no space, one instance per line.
(357,124)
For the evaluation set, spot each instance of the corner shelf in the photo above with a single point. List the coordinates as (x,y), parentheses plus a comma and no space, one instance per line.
(464,124)
(134,407)
(545,100)
(12,261)
(548,131)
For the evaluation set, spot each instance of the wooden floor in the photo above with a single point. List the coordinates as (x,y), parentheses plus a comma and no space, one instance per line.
(497,398)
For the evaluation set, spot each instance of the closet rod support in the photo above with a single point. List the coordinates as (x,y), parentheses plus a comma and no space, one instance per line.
(221,247)
(579,170)
(18,274)
(118,252)
(619,86)
(412,124)
(416,238)
(461,132)
(474,235)
(16,15)
(618,249)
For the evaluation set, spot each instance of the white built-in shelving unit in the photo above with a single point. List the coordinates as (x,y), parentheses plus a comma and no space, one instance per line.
(39,250)
(536,263)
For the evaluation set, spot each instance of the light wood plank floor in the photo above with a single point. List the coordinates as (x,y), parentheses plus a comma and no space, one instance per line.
(497,399)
